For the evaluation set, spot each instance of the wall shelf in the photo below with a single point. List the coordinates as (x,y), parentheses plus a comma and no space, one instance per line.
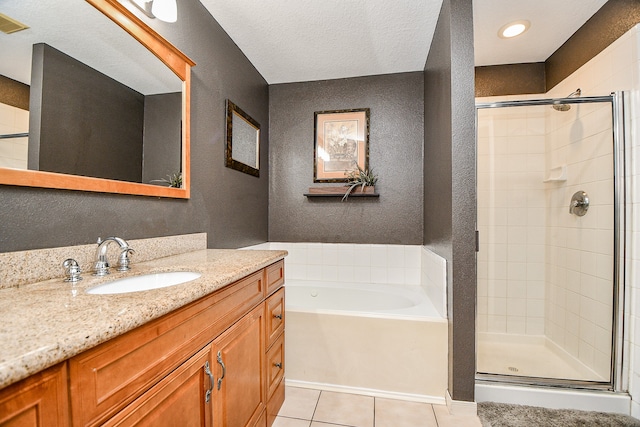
(340,192)
(341,195)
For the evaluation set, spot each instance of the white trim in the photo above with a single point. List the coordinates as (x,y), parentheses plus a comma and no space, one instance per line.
(585,400)
(461,407)
(367,392)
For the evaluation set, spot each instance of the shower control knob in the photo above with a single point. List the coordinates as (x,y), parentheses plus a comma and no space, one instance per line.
(579,203)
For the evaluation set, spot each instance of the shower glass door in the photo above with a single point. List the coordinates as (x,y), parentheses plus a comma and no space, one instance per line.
(548,220)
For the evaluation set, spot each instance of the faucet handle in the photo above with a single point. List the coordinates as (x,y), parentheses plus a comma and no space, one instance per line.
(72,270)
(123,260)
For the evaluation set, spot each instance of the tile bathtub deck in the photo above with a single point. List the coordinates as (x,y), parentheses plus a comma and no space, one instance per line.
(314,408)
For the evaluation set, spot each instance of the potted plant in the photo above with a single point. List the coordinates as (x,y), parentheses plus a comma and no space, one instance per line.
(362,181)
(174,180)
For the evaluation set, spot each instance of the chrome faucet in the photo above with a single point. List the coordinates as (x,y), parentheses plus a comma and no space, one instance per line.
(101,267)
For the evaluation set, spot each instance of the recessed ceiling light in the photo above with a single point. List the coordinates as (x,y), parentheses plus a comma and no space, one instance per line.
(513,29)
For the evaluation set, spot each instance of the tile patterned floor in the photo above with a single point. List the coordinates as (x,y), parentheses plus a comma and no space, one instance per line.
(314,408)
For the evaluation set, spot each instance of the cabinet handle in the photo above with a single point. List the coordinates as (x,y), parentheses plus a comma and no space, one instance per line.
(278,316)
(207,370)
(278,365)
(224,370)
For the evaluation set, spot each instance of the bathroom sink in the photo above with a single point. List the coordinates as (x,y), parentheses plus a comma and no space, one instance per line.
(144,283)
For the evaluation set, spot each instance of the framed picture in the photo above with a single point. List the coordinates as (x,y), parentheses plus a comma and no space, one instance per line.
(341,144)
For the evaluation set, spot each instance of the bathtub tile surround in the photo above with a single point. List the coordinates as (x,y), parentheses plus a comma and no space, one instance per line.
(326,408)
(346,300)
(433,277)
(23,267)
(359,263)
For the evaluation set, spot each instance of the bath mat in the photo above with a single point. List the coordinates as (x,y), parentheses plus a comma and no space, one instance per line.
(493,414)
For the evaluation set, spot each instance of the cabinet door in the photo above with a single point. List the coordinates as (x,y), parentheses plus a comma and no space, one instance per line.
(183,398)
(40,400)
(239,394)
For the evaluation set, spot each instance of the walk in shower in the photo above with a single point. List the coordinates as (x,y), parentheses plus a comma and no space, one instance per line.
(549,219)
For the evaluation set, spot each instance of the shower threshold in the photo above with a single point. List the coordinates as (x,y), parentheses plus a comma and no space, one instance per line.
(532,356)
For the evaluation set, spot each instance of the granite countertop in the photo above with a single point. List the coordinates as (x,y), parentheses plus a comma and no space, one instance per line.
(44,323)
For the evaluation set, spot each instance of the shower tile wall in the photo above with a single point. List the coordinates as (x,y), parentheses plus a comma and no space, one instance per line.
(13,152)
(511,220)
(614,69)
(579,267)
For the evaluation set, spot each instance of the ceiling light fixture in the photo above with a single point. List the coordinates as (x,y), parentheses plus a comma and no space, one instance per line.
(513,29)
(164,10)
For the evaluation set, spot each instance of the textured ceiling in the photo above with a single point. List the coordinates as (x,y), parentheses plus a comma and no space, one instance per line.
(293,41)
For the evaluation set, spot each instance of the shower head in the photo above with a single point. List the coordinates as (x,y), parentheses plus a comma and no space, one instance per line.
(567,107)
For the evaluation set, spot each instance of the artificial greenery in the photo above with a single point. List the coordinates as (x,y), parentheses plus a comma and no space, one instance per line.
(360,178)
(174,180)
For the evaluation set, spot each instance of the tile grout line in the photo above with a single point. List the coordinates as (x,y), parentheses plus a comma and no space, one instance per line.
(435,416)
(315,408)
(374,411)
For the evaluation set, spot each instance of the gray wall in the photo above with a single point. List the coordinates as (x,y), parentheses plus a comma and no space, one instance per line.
(14,93)
(232,207)
(613,19)
(105,140)
(162,139)
(395,153)
(449,181)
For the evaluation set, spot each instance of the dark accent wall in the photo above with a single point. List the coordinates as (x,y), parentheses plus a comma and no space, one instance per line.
(608,24)
(230,206)
(395,153)
(449,181)
(162,140)
(82,122)
(510,79)
(14,93)
(613,19)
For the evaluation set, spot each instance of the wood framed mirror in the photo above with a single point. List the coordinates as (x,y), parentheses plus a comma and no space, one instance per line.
(242,151)
(171,66)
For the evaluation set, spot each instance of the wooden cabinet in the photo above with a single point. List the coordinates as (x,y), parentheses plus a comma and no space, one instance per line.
(40,400)
(239,393)
(182,398)
(275,316)
(275,321)
(209,363)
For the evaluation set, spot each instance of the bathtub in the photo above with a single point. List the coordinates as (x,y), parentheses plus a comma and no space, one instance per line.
(374,339)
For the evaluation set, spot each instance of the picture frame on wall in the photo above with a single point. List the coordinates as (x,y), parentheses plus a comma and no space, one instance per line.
(341,144)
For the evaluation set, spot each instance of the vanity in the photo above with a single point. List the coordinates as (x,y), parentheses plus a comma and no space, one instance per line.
(209,352)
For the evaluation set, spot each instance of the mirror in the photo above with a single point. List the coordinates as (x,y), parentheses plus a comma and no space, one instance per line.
(68,45)
(242,151)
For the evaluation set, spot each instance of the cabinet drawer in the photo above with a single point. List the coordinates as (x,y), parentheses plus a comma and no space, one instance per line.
(275,276)
(106,378)
(180,399)
(275,365)
(275,316)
